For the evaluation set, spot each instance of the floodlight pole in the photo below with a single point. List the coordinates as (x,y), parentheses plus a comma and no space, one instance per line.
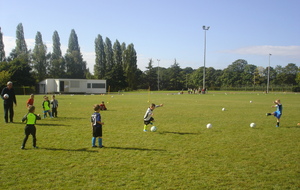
(205,29)
(268,83)
(158,75)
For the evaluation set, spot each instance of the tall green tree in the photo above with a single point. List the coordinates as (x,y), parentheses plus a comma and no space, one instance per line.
(75,66)
(151,76)
(21,47)
(130,65)
(175,77)
(39,58)
(57,67)
(100,61)
(2,52)
(117,79)
(108,55)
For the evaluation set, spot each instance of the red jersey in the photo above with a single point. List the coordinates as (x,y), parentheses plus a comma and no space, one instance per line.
(29,102)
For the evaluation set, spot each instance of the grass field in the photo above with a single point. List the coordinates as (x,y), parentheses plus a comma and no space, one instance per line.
(182,154)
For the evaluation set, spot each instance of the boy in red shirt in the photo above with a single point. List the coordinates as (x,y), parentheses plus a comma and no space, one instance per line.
(30,101)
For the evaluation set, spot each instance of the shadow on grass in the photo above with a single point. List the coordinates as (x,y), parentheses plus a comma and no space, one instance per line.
(177,133)
(298,127)
(50,124)
(70,150)
(69,118)
(130,148)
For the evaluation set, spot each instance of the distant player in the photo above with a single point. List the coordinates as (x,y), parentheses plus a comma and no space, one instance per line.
(54,104)
(97,127)
(30,101)
(148,119)
(278,111)
(46,107)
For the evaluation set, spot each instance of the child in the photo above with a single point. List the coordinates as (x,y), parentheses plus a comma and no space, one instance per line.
(46,107)
(148,119)
(278,112)
(30,119)
(30,101)
(97,126)
(102,106)
(54,103)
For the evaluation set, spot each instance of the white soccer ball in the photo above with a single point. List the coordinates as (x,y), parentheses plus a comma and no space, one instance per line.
(208,126)
(252,125)
(223,109)
(153,129)
(5,96)
(250,101)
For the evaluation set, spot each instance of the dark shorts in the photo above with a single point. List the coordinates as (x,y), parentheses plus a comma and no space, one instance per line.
(30,130)
(149,121)
(97,131)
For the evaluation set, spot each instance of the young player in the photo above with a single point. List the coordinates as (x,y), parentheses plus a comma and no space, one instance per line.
(278,112)
(30,101)
(46,107)
(30,129)
(54,103)
(148,119)
(97,127)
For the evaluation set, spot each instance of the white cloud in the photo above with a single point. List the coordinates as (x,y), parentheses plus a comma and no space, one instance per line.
(265,50)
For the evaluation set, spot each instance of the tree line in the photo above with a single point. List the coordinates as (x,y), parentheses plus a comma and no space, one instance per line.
(117,63)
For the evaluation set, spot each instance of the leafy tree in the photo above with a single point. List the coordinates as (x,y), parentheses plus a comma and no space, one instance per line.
(130,66)
(151,76)
(100,62)
(117,78)
(298,76)
(18,71)
(108,55)
(21,47)
(174,75)
(39,58)
(2,52)
(291,71)
(57,65)
(75,66)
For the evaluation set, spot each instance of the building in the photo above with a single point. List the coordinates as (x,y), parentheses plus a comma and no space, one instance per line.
(72,86)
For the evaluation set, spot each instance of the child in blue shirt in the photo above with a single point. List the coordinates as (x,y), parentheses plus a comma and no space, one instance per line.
(97,126)
(278,111)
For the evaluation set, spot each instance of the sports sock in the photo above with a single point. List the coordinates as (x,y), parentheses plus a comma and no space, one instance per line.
(269,114)
(93,141)
(145,127)
(278,124)
(100,142)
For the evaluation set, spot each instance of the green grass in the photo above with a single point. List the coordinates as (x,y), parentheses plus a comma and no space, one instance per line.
(182,154)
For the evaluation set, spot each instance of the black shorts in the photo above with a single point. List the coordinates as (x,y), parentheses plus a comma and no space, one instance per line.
(30,130)
(97,131)
(149,121)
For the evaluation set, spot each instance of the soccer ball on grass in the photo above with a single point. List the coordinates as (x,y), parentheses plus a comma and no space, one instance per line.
(208,126)
(252,125)
(153,129)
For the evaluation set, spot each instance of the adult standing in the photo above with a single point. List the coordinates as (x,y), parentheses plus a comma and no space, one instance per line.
(9,101)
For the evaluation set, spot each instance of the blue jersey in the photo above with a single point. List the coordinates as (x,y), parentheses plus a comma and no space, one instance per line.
(94,118)
(279,108)
(278,111)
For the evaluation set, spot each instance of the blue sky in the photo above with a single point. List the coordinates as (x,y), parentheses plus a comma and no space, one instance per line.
(165,29)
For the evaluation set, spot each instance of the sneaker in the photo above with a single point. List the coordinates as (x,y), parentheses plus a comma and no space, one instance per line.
(22,147)
(94,146)
(35,147)
(145,130)
(101,146)
(277,125)
(151,123)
